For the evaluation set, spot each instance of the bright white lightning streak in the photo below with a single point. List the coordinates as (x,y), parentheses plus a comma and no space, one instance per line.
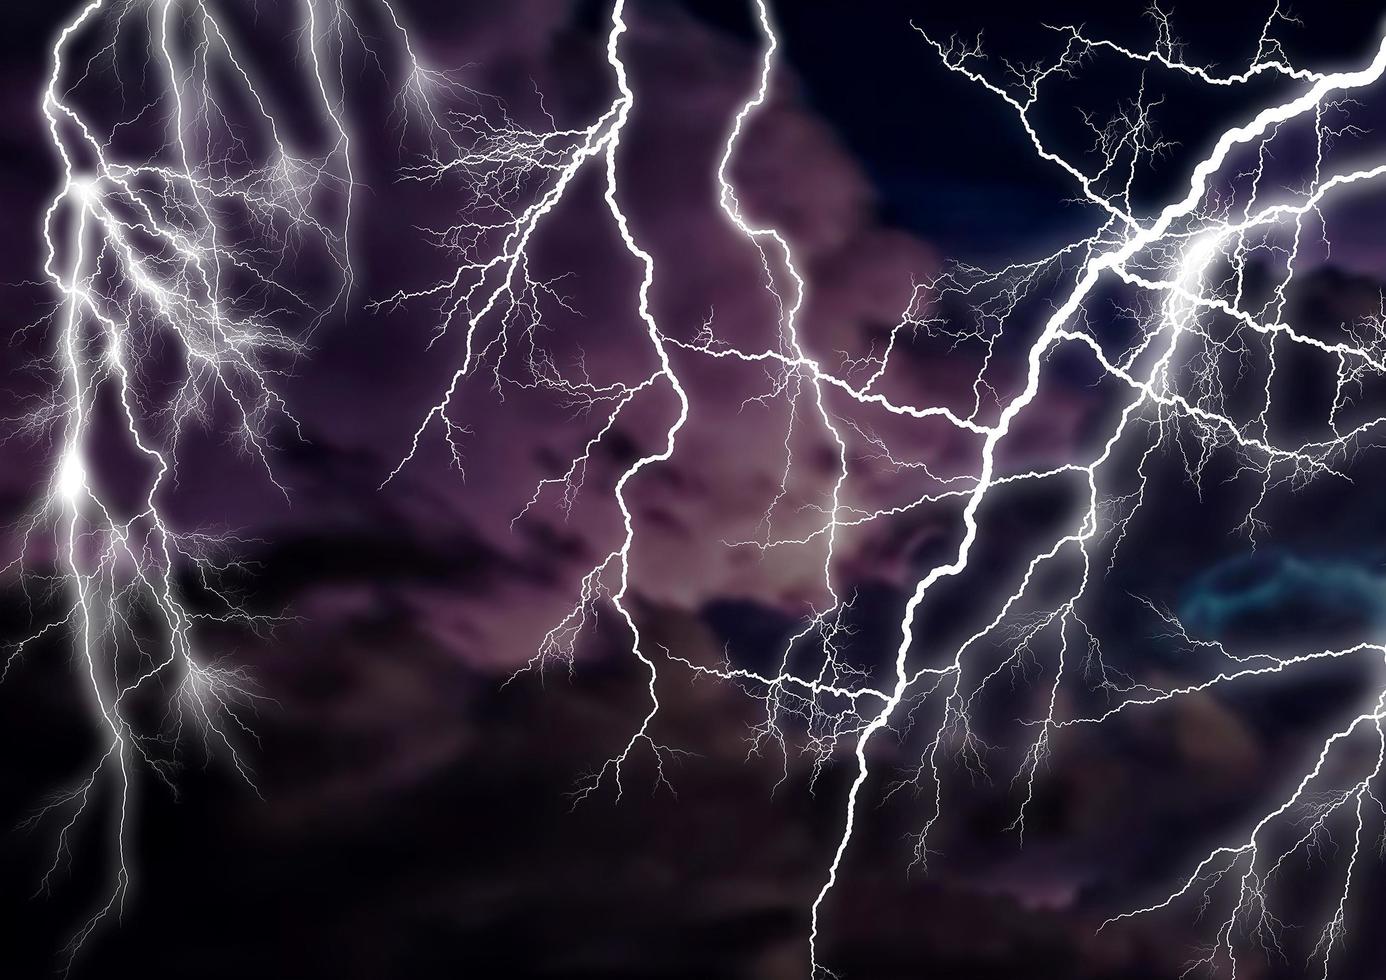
(1170,255)
(495,166)
(1186,290)
(173,270)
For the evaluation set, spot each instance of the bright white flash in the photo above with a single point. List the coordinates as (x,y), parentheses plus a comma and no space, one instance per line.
(72,478)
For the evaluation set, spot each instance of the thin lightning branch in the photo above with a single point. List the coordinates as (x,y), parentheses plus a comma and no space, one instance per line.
(516,177)
(1185,268)
(1189,322)
(1186,237)
(172,244)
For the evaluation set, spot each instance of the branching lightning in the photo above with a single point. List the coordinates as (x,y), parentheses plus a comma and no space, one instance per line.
(186,209)
(1186,268)
(188,249)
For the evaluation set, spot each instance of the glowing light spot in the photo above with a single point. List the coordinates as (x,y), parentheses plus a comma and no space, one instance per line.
(72,478)
(82,188)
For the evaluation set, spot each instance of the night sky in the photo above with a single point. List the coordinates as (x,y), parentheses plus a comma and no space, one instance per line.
(413,813)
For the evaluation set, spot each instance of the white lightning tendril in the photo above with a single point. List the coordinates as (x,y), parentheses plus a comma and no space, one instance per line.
(176,243)
(1185,269)
(499,162)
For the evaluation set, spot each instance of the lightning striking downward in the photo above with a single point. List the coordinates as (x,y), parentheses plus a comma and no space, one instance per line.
(175,264)
(1204,331)
(188,214)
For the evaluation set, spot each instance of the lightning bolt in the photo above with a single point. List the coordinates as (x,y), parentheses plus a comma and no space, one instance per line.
(1184,240)
(173,244)
(1185,267)
(497,159)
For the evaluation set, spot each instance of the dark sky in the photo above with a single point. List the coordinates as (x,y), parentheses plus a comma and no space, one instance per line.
(943,154)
